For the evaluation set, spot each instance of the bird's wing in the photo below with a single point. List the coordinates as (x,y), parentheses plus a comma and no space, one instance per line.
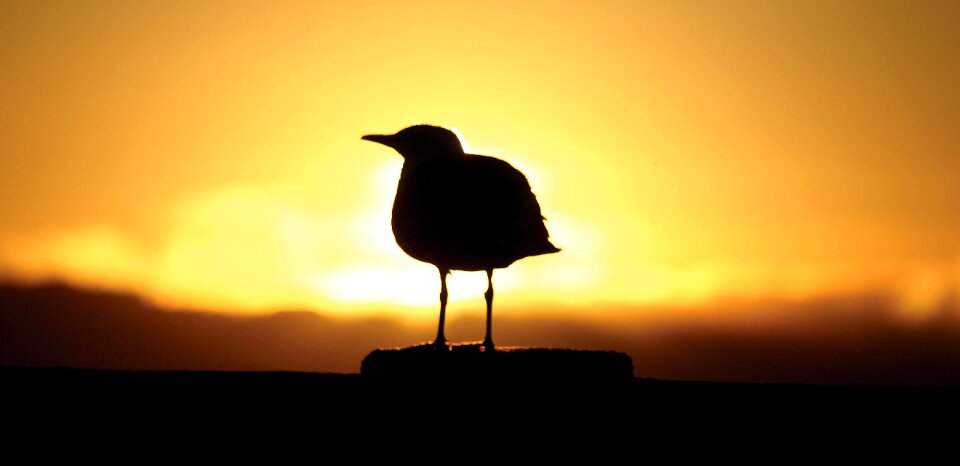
(505,204)
(472,212)
(497,187)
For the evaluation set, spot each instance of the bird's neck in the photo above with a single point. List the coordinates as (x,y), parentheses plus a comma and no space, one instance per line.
(412,162)
(409,166)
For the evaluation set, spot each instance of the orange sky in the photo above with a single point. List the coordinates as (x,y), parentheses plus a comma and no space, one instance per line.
(209,154)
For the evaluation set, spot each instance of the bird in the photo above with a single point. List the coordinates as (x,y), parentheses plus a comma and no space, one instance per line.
(461,211)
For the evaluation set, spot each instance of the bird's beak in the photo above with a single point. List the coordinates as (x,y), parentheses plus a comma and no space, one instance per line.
(384,139)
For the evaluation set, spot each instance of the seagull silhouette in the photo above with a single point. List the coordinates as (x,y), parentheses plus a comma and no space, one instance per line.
(461,211)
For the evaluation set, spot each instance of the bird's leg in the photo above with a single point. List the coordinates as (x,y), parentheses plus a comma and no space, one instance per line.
(488,340)
(441,341)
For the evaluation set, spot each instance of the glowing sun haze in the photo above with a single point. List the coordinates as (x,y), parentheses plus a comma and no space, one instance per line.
(208,154)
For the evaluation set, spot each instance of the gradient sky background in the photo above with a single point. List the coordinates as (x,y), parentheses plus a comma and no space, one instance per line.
(208,155)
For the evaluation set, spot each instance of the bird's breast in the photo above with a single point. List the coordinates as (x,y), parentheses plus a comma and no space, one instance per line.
(418,221)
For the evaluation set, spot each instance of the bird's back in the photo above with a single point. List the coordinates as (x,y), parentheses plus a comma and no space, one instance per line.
(468,212)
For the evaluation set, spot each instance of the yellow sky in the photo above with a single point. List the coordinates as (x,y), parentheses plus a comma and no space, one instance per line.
(209,154)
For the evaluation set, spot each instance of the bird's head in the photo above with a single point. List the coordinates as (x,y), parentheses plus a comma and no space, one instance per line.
(420,142)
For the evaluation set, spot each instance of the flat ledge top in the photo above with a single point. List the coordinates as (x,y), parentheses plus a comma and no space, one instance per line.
(472,364)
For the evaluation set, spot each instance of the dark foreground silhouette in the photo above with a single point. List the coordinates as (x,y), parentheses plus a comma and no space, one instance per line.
(110,411)
(462,211)
(319,399)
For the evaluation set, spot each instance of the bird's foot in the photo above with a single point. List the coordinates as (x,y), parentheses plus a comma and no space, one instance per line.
(488,346)
(441,344)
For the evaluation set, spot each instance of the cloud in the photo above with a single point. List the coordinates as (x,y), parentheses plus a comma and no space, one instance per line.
(91,255)
(257,248)
(924,290)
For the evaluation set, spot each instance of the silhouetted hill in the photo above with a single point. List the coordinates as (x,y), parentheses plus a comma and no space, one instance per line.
(58,326)
(855,340)
(234,386)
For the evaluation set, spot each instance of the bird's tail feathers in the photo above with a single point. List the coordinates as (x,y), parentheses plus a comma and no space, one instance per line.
(543,248)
